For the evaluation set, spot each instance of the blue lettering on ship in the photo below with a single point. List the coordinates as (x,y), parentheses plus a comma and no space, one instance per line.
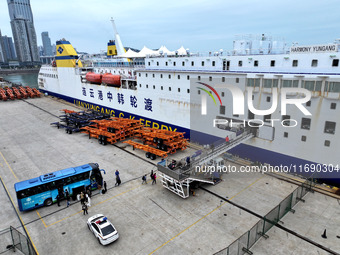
(144,121)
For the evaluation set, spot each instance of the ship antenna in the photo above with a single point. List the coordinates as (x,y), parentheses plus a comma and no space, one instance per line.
(119,44)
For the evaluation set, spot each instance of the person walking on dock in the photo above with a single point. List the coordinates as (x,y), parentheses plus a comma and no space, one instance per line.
(144,179)
(82,198)
(88,191)
(105,188)
(58,199)
(227,139)
(117,173)
(88,202)
(118,181)
(154,178)
(84,208)
(67,195)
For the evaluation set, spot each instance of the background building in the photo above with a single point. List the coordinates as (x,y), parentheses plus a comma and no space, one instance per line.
(3,58)
(23,30)
(41,51)
(9,48)
(54,50)
(46,44)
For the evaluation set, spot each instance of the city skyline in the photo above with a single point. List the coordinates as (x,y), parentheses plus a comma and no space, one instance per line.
(198,25)
(23,31)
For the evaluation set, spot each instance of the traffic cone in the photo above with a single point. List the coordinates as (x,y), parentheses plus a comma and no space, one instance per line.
(324,234)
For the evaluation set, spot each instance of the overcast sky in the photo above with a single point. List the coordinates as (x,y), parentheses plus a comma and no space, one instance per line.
(200,25)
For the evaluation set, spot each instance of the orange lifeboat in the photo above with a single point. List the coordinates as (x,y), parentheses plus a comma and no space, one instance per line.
(94,77)
(111,79)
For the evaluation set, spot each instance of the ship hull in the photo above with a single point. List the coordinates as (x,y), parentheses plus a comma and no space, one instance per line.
(295,165)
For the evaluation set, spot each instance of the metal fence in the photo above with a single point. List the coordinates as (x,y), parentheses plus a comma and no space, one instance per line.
(12,240)
(243,244)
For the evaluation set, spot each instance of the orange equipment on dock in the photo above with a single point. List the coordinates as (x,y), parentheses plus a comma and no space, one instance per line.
(150,151)
(110,130)
(23,92)
(3,94)
(9,93)
(30,92)
(16,93)
(164,140)
(36,92)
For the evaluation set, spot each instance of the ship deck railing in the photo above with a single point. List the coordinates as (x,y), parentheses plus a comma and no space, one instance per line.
(245,52)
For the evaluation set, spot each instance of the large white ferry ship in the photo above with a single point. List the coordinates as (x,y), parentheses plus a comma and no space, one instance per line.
(160,88)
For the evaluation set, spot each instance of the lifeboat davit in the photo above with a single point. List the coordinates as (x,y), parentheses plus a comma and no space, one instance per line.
(94,77)
(111,79)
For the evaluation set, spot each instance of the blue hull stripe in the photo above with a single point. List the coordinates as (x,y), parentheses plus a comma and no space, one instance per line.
(243,150)
(256,154)
(125,114)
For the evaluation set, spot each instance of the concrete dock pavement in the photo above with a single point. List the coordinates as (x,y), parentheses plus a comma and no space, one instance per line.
(149,218)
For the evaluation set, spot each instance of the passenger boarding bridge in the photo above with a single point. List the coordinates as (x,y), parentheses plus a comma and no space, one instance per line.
(178,178)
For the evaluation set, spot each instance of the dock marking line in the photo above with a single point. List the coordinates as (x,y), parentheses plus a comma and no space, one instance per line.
(41,219)
(22,222)
(122,193)
(9,166)
(205,216)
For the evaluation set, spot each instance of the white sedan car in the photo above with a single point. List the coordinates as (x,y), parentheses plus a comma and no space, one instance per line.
(102,229)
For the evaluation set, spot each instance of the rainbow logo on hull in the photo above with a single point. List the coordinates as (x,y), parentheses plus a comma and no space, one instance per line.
(212,89)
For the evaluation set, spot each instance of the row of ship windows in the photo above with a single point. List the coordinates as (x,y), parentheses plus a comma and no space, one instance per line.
(167,63)
(188,77)
(305,122)
(327,143)
(118,72)
(272,83)
(268,99)
(162,88)
(309,103)
(295,63)
(307,84)
(50,75)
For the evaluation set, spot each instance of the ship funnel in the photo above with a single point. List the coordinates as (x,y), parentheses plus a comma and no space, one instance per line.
(119,44)
(66,55)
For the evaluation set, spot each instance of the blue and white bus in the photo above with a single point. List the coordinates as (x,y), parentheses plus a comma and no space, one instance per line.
(43,190)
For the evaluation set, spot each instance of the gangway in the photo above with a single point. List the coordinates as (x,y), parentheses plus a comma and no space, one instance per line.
(178,179)
(218,150)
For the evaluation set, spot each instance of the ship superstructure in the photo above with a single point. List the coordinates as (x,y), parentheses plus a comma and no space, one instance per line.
(158,87)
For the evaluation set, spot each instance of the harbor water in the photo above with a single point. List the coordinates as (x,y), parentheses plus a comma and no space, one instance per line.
(30,80)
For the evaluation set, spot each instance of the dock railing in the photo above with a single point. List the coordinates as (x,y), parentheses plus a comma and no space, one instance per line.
(243,244)
(12,240)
